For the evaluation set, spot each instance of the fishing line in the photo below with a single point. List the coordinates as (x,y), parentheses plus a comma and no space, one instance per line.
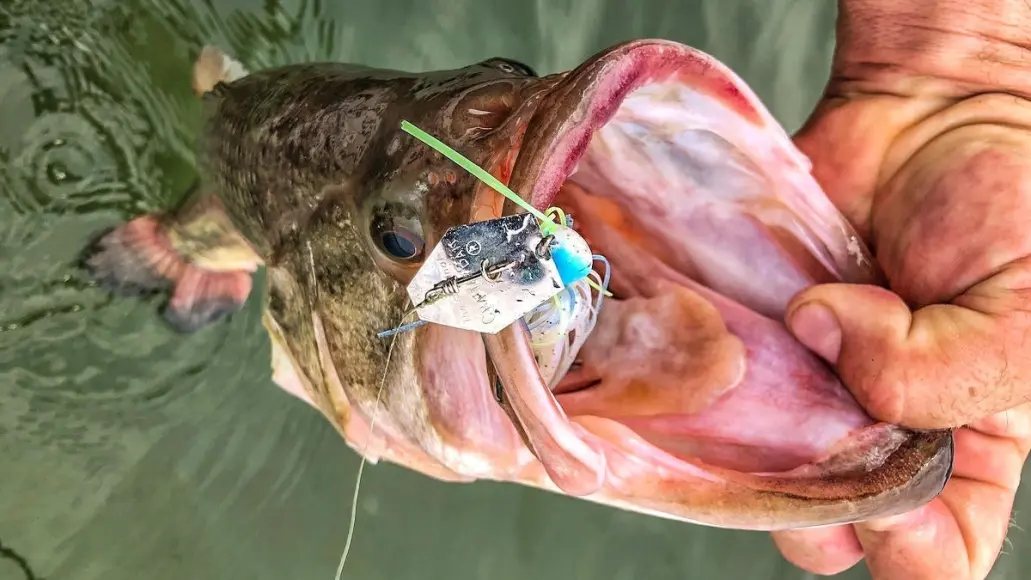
(604,282)
(365,451)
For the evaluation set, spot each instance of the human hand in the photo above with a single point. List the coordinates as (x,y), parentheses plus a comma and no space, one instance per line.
(923,141)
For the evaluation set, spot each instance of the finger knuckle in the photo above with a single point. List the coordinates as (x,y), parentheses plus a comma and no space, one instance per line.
(883,393)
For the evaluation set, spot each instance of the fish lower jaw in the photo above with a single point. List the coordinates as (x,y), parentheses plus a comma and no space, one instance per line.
(643,478)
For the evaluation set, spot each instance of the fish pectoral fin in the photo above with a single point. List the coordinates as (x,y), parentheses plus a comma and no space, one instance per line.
(193,253)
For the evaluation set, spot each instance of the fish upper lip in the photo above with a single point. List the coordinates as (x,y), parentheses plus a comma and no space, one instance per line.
(555,142)
(563,117)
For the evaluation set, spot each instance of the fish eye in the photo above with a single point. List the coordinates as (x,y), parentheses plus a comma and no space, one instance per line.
(512,67)
(400,239)
(401,243)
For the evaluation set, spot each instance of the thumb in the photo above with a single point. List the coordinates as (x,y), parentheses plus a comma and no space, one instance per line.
(941,366)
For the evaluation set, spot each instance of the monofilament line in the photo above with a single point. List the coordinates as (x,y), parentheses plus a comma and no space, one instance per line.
(365,452)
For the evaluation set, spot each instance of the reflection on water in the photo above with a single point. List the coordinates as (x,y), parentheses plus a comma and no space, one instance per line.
(128,452)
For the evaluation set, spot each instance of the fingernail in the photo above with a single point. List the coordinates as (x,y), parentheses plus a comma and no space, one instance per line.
(815,326)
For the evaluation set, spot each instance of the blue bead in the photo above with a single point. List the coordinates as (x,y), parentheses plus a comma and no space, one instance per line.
(572,256)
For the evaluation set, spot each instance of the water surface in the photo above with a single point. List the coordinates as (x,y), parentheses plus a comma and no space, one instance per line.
(129,452)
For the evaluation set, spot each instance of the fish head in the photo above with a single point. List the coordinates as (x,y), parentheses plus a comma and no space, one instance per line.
(406,195)
(421,398)
(689,399)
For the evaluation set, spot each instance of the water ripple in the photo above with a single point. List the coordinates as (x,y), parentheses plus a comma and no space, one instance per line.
(117,428)
(96,135)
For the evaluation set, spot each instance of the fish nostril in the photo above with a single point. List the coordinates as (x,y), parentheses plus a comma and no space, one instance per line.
(483,112)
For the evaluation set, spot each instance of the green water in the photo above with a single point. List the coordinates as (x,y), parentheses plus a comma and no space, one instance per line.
(128,452)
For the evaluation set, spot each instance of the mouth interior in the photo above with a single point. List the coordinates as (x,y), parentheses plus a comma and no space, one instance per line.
(711,224)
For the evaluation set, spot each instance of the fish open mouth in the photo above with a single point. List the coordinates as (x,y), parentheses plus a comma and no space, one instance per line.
(690,398)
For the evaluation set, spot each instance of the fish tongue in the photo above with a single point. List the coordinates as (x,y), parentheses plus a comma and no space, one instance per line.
(576,467)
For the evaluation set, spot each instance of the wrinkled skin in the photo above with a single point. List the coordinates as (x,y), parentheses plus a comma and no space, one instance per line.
(692,401)
(934,99)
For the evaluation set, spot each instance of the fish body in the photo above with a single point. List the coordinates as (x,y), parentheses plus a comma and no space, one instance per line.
(688,400)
